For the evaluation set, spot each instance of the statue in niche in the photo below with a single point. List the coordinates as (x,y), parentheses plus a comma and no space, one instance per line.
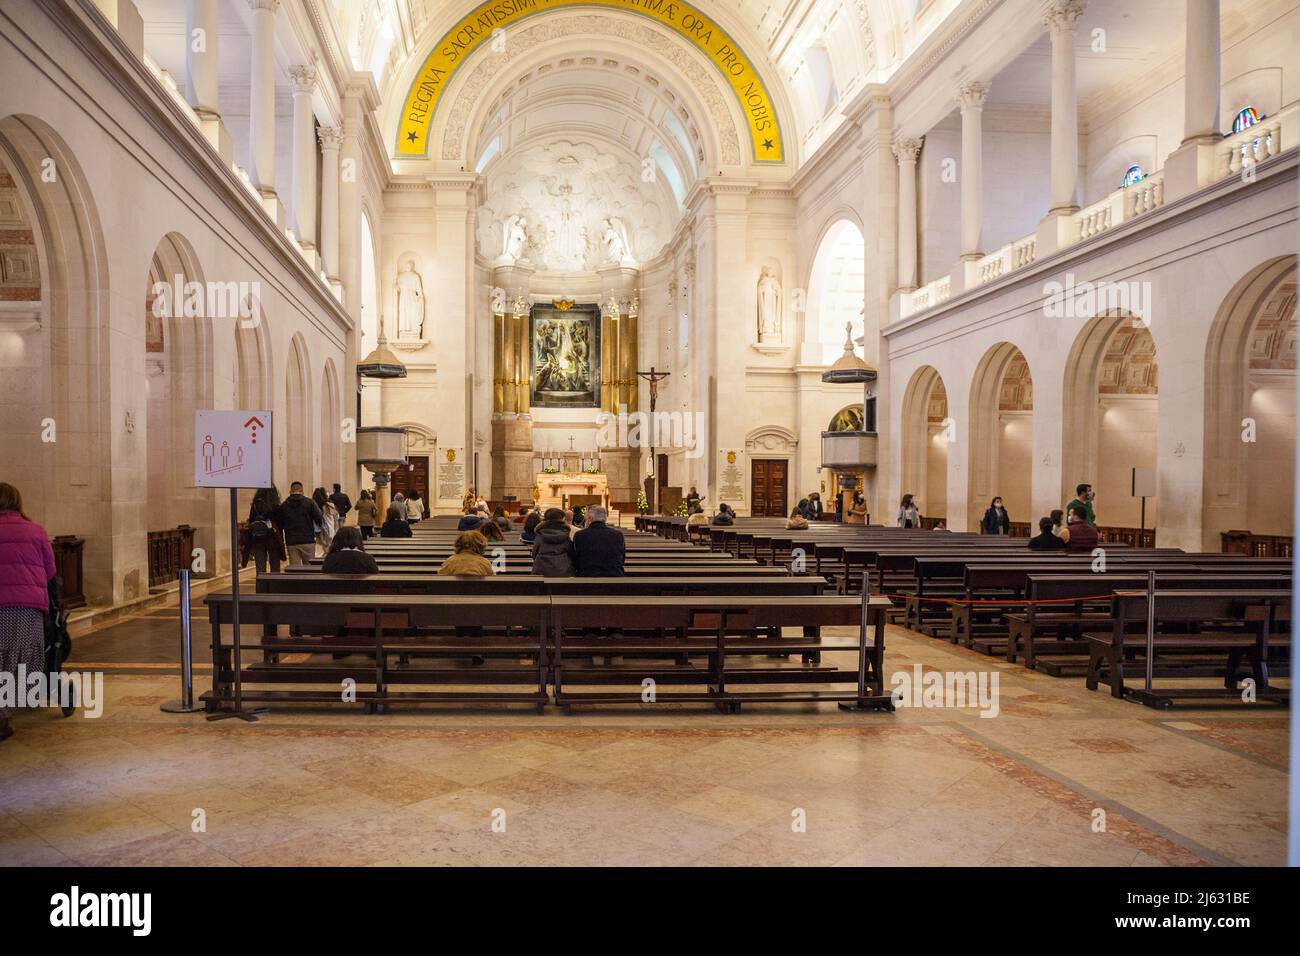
(514,236)
(410,303)
(617,245)
(769,306)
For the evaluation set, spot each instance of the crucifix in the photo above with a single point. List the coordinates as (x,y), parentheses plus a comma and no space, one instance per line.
(654,377)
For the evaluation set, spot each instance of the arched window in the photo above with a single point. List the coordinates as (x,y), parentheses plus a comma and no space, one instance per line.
(1245,118)
(1133,174)
(836,294)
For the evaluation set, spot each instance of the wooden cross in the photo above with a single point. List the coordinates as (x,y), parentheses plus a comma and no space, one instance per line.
(654,377)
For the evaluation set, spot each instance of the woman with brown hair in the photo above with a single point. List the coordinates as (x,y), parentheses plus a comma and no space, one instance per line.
(26,568)
(468,557)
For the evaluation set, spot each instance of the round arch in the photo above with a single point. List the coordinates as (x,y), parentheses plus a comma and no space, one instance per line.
(297,421)
(253,358)
(1109,396)
(63,358)
(331,428)
(1242,366)
(1001,434)
(925,442)
(836,286)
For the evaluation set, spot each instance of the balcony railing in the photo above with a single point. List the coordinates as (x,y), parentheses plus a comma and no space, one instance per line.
(1233,154)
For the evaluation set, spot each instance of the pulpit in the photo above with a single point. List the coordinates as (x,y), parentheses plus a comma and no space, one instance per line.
(565,489)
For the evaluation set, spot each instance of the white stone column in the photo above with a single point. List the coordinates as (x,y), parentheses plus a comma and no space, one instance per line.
(201,64)
(1060,19)
(261,110)
(303,79)
(331,137)
(905,151)
(971,99)
(1201,73)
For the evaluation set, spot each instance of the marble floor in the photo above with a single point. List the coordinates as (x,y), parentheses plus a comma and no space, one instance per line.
(1059,776)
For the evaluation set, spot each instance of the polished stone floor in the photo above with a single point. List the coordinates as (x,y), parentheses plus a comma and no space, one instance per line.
(1060,776)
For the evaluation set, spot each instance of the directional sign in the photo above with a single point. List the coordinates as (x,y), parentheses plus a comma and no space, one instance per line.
(232,449)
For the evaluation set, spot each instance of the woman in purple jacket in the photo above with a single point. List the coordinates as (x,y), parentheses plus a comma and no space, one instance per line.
(26,567)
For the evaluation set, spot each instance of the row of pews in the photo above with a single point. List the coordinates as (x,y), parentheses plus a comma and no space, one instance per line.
(1221,616)
(683,625)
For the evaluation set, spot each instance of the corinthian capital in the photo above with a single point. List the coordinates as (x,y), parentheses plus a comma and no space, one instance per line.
(907,148)
(268,5)
(302,78)
(1062,15)
(331,137)
(972,95)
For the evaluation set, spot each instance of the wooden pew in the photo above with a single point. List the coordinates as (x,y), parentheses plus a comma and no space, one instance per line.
(1235,623)
(725,617)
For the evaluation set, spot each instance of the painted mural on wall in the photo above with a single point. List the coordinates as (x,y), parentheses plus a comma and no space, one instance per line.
(565,356)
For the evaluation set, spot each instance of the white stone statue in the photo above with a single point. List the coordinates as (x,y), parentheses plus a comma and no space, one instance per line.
(769,306)
(410,303)
(614,234)
(498,301)
(514,235)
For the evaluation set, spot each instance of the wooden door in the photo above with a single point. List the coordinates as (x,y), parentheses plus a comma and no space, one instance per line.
(414,474)
(767,487)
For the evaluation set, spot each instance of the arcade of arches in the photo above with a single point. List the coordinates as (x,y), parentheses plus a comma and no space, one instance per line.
(1064,265)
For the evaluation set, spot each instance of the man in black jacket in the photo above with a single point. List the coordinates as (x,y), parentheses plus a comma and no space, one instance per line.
(341,501)
(600,549)
(299,517)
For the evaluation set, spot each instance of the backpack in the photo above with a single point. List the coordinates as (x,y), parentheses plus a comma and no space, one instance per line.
(259,529)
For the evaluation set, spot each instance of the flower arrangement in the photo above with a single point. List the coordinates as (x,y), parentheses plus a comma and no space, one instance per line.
(593,470)
(681,511)
(550,471)
(642,506)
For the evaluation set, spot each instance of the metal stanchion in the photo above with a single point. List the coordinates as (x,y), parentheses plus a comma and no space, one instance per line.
(186,704)
(1151,630)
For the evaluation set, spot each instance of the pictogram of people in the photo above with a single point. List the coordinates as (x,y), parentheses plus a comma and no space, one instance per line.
(208,451)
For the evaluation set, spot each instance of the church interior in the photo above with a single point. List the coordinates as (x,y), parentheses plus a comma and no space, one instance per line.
(821,319)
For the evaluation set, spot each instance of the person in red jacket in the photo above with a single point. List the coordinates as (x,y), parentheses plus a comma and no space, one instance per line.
(1083,536)
(26,567)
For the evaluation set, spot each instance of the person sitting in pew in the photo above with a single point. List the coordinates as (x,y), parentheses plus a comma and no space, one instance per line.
(467,556)
(725,515)
(1083,536)
(529,534)
(697,517)
(599,550)
(553,554)
(346,554)
(796,521)
(1058,525)
(395,526)
(491,531)
(1046,539)
(470,520)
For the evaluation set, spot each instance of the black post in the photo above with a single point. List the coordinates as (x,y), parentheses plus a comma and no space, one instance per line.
(246,715)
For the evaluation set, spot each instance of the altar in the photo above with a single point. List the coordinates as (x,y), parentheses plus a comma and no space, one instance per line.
(566,489)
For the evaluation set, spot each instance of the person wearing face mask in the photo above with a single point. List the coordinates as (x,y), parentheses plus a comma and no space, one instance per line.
(996,519)
(1083,498)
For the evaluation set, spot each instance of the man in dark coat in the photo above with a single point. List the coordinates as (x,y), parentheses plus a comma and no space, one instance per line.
(600,548)
(341,501)
(299,517)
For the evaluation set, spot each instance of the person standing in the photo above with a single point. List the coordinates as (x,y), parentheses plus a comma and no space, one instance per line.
(327,528)
(342,503)
(909,515)
(300,517)
(815,509)
(692,500)
(26,569)
(600,550)
(996,519)
(262,532)
(414,507)
(1083,498)
(367,514)
(858,510)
